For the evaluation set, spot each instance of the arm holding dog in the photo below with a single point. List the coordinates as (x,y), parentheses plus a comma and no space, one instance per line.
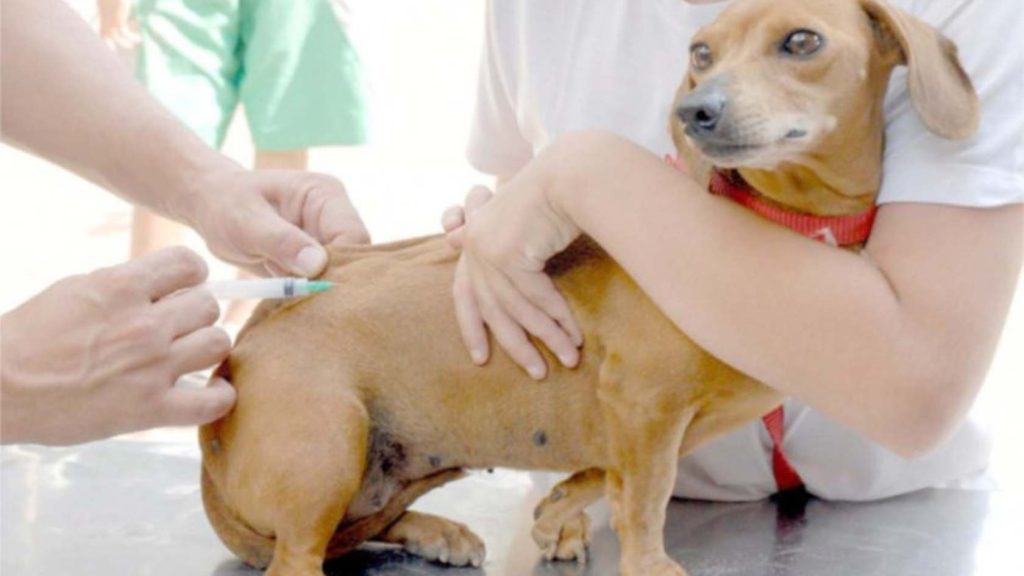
(890,343)
(97,122)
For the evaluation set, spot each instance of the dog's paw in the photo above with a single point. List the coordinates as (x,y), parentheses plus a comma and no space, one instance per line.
(566,542)
(441,540)
(652,566)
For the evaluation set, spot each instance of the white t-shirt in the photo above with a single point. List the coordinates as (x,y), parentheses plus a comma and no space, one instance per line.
(553,66)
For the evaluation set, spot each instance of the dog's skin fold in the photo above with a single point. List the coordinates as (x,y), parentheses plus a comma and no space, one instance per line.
(353,403)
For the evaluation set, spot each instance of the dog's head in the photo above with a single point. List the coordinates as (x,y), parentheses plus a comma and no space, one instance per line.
(790,93)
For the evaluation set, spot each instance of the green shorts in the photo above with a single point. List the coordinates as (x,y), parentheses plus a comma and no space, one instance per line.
(289,62)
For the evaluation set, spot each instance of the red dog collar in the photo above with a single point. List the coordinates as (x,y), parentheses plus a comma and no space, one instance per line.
(835,230)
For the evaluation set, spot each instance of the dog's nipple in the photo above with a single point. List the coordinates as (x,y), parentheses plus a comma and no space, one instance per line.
(540,438)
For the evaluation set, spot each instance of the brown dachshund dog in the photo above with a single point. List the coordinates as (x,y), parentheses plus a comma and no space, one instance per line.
(353,403)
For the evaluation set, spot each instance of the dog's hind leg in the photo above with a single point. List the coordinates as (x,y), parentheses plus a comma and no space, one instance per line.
(425,535)
(312,485)
(436,538)
(645,444)
(561,526)
(352,534)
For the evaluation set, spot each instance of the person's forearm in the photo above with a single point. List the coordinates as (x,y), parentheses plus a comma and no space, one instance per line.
(66,98)
(823,324)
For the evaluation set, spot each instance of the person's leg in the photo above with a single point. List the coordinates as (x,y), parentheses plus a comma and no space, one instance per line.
(302,83)
(151,232)
(281,159)
(185,59)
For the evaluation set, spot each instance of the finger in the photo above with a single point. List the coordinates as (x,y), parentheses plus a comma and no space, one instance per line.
(191,406)
(285,245)
(508,333)
(259,268)
(511,337)
(327,212)
(117,37)
(467,315)
(123,41)
(453,218)
(542,292)
(187,311)
(164,271)
(200,349)
(272,269)
(535,321)
(456,238)
(476,198)
(131,35)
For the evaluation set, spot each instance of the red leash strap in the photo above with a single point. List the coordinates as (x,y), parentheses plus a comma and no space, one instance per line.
(786,478)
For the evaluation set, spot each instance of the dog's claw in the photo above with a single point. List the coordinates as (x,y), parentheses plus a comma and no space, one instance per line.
(657,566)
(549,552)
(565,542)
(477,558)
(572,549)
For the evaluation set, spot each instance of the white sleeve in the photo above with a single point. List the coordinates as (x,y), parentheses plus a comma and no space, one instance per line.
(496,144)
(988,169)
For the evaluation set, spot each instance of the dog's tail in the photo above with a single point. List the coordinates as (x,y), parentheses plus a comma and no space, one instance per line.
(257,549)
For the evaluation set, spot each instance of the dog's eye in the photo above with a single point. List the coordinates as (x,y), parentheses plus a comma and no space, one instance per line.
(700,56)
(802,43)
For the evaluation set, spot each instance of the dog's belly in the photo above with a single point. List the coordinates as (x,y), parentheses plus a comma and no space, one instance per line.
(479,424)
(431,408)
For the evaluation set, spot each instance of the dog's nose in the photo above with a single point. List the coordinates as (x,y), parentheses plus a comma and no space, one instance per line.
(701,111)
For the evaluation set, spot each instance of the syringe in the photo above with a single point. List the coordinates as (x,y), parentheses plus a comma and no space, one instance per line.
(266,288)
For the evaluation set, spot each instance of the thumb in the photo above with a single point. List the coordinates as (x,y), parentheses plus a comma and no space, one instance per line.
(453,218)
(284,246)
(456,238)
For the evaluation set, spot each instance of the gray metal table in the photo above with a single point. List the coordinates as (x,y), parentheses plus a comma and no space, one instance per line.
(132,507)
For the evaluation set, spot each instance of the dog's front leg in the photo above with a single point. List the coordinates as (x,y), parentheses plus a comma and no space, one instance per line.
(560,524)
(644,450)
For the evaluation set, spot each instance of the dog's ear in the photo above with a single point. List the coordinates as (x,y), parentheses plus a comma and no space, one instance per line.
(940,89)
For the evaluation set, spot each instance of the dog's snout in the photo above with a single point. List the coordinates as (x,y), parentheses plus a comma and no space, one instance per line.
(701,111)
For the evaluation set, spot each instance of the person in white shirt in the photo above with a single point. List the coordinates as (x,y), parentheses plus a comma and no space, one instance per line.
(882,385)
